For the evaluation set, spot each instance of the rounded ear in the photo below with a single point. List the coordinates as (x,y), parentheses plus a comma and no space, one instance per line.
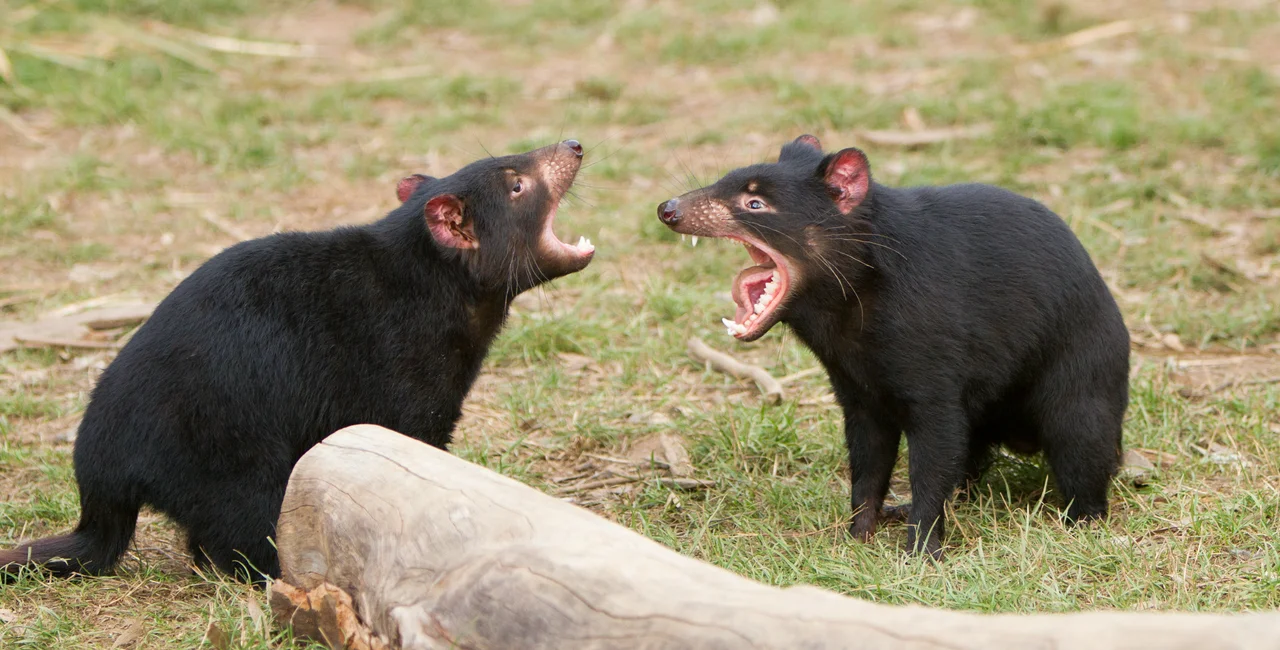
(448,225)
(810,140)
(802,147)
(409,184)
(848,178)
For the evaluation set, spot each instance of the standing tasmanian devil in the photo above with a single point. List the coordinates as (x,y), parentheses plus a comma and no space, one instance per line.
(966,316)
(277,342)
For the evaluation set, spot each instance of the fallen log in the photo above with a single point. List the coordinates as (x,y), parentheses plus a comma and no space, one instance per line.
(436,552)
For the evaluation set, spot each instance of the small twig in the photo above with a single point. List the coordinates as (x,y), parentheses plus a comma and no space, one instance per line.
(31,342)
(724,363)
(800,375)
(1232,383)
(226,227)
(571,477)
(1198,221)
(647,462)
(604,482)
(686,483)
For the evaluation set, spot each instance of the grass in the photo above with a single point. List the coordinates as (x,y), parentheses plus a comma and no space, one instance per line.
(1159,148)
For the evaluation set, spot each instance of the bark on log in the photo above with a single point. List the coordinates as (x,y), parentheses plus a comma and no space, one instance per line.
(437,552)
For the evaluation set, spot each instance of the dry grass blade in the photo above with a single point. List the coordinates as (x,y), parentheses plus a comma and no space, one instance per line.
(19,126)
(6,68)
(138,37)
(1087,36)
(925,137)
(56,57)
(226,227)
(232,45)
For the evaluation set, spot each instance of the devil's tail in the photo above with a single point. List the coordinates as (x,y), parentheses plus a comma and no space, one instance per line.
(94,547)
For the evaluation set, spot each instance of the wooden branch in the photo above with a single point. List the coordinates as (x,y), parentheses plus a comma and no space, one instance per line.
(436,552)
(724,363)
(39,342)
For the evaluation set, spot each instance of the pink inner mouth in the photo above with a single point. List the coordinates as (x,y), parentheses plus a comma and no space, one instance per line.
(580,253)
(758,291)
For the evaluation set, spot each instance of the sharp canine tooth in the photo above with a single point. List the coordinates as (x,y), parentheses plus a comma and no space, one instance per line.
(695,240)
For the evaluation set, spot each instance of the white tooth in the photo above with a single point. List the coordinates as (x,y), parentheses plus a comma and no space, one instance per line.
(776,277)
(759,307)
(742,329)
(729,325)
(695,240)
(768,291)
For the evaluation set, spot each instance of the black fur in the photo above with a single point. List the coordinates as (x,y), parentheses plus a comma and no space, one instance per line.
(967,316)
(277,342)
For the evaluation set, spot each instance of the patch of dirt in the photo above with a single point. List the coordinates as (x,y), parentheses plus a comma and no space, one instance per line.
(1204,374)
(329,27)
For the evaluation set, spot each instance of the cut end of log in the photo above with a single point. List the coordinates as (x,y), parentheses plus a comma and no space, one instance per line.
(324,615)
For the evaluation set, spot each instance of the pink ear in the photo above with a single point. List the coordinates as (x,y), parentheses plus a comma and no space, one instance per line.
(848,178)
(810,140)
(407,185)
(447,223)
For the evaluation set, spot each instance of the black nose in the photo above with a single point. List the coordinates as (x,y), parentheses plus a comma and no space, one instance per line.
(669,212)
(573,144)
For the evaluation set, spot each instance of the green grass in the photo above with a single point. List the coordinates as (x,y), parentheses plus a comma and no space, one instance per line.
(1131,144)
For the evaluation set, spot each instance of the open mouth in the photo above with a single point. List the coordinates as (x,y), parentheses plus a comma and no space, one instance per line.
(759,292)
(571,257)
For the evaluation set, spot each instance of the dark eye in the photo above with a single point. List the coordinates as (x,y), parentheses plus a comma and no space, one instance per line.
(755,204)
(519,187)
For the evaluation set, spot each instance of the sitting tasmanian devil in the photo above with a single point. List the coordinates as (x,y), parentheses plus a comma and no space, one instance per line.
(966,316)
(277,342)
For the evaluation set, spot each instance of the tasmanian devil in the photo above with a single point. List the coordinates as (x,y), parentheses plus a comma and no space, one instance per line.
(966,316)
(277,342)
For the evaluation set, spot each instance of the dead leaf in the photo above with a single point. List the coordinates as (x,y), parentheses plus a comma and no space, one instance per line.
(1173,342)
(576,362)
(217,637)
(912,120)
(676,455)
(1136,468)
(256,614)
(1219,454)
(1162,459)
(130,635)
(7,616)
